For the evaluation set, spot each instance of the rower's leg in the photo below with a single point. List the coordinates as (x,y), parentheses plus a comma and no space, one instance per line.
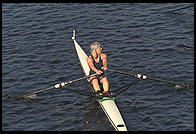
(105,83)
(95,83)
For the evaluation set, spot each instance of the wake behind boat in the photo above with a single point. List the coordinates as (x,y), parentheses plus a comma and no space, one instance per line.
(107,104)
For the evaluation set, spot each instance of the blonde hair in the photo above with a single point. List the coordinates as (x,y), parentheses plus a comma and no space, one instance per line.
(94,45)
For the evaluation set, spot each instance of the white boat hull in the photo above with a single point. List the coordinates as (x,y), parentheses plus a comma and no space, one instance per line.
(111,110)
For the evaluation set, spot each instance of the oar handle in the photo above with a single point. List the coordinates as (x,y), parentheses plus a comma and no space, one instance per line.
(121,72)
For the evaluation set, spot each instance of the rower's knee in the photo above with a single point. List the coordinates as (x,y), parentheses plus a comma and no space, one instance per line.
(94,81)
(104,79)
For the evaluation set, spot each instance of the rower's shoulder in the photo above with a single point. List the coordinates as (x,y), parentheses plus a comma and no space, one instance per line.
(103,55)
(89,58)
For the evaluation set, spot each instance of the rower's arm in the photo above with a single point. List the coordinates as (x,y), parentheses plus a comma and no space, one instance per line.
(104,59)
(91,65)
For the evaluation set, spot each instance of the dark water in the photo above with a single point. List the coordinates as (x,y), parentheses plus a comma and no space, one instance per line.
(38,52)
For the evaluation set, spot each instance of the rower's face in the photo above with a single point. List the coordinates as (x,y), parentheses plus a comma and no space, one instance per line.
(99,50)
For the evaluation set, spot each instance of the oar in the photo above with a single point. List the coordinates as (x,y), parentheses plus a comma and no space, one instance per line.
(33,95)
(179,9)
(140,76)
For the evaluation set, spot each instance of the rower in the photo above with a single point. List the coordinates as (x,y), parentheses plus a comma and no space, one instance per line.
(97,62)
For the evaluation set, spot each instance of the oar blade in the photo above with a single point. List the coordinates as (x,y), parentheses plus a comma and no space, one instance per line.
(27,97)
(184,86)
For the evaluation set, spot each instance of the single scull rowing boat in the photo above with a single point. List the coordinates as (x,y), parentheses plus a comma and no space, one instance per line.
(107,104)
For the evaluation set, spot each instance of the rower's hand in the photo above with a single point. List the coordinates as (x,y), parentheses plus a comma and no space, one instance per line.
(99,72)
(104,68)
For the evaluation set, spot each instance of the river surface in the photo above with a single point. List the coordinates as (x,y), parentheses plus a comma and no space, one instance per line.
(147,38)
